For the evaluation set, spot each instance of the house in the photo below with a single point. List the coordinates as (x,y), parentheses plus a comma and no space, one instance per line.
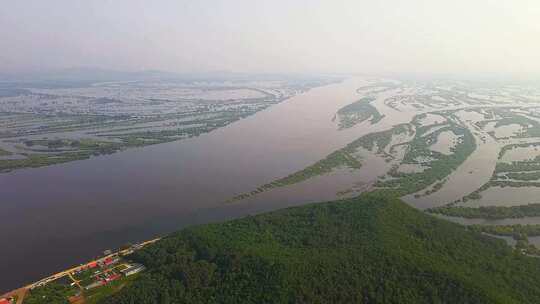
(133,269)
(112,277)
(109,261)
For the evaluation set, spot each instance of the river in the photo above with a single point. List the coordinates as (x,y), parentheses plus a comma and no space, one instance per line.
(58,216)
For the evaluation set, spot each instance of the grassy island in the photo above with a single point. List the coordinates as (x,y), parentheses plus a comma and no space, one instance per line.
(489,212)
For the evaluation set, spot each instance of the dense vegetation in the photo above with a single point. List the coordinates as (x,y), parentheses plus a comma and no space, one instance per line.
(380,143)
(371,249)
(440,166)
(531,127)
(45,152)
(516,231)
(72,150)
(358,112)
(489,212)
(381,140)
(513,146)
(57,151)
(342,158)
(524,176)
(520,233)
(517,166)
(336,159)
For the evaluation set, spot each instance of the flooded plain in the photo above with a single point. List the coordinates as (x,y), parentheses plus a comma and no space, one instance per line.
(446,141)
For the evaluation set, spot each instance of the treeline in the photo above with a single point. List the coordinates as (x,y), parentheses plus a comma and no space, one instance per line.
(513,146)
(358,112)
(531,127)
(381,139)
(439,168)
(524,176)
(520,233)
(517,231)
(517,166)
(371,249)
(336,159)
(489,212)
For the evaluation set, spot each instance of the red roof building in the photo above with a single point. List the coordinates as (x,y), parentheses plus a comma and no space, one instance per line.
(115,276)
(5,301)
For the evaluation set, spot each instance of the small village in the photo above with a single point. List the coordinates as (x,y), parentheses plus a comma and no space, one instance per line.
(86,283)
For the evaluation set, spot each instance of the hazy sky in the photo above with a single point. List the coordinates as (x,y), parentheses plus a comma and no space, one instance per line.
(383,36)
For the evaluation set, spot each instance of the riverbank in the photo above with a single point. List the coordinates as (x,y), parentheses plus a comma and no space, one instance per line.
(20,293)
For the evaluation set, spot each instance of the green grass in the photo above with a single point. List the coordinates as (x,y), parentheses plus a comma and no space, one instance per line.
(52,293)
(86,277)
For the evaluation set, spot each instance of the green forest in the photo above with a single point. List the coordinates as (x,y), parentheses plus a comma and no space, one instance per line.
(370,249)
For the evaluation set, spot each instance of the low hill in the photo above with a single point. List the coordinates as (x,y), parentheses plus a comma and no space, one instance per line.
(371,249)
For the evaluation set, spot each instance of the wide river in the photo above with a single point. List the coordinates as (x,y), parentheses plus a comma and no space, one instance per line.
(63,215)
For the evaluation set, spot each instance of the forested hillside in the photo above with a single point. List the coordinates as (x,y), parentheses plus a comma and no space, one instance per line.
(370,249)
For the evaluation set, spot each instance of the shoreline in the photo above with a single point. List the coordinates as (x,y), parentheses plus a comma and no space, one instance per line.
(21,291)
